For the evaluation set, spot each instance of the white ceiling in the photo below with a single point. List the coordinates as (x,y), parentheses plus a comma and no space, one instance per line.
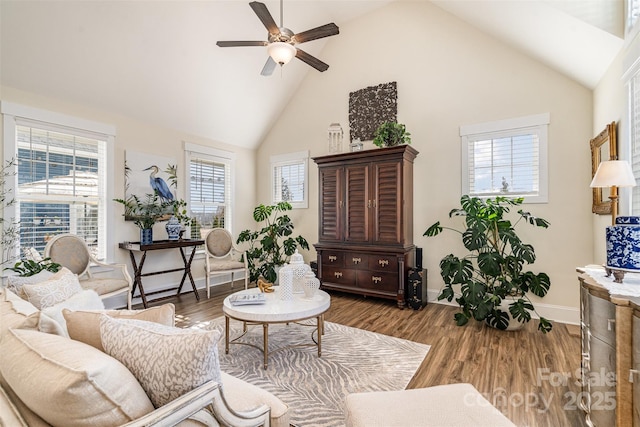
(157,61)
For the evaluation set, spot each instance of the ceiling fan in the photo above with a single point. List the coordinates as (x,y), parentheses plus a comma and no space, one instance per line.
(281,41)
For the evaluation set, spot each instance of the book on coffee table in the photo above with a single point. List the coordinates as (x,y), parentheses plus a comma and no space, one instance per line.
(245,299)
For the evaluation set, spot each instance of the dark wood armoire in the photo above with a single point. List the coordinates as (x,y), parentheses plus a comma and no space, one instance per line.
(365,227)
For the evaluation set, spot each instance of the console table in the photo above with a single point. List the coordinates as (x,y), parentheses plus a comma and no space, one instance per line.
(134,247)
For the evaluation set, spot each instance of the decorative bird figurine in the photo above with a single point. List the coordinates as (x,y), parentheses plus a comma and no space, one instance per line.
(158,184)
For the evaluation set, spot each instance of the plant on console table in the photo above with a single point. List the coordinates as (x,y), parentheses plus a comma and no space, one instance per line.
(145,212)
(494,269)
(272,245)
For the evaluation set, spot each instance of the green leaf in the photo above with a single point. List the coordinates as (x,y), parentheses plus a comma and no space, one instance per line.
(489,263)
(434,230)
(461,319)
(544,326)
(483,310)
(455,270)
(519,309)
(474,238)
(539,283)
(446,293)
(498,319)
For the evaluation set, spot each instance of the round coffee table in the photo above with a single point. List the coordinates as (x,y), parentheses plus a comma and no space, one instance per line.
(275,310)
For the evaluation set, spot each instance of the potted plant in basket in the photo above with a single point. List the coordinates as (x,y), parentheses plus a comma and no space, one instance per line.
(389,134)
(272,245)
(494,269)
(145,213)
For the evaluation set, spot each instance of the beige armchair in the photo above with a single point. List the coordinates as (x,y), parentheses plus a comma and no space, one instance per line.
(72,252)
(222,257)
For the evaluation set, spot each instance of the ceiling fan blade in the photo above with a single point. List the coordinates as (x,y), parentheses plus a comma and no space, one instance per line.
(268,68)
(317,33)
(263,13)
(240,43)
(311,60)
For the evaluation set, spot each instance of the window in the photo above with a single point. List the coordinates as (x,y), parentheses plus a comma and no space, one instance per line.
(61,183)
(210,187)
(289,179)
(634,123)
(507,157)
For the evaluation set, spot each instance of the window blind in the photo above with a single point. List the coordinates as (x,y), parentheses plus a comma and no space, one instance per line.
(504,164)
(634,106)
(61,184)
(209,193)
(288,182)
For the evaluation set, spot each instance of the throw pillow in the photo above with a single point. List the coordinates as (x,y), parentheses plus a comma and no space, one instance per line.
(85,300)
(60,287)
(15,283)
(68,383)
(41,322)
(167,361)
(84,325)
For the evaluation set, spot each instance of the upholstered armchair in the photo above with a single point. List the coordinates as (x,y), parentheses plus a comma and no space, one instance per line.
(72,252)
(222,257)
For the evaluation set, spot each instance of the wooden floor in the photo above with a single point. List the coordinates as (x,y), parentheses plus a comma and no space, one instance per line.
(528,376)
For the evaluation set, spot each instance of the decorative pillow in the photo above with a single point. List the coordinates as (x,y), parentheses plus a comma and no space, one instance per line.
(84,325)
(69,383)
(167,361)
(39,321)
(60,287)
(84,300)
(15,283)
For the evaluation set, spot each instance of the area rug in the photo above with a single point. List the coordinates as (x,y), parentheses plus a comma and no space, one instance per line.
(353,360)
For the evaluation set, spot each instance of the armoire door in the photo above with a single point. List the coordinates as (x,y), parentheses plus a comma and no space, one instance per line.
(357,203)
(331,202)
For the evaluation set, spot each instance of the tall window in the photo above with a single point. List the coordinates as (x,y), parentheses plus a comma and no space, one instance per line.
(289,183)
(507,158)
(210,187)
(634,137)
(61,176)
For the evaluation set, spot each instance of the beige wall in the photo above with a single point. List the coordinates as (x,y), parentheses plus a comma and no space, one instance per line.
(449,74)
(608,106)
(145,137)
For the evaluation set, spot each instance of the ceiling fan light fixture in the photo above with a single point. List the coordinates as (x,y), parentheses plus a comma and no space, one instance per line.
(281,52)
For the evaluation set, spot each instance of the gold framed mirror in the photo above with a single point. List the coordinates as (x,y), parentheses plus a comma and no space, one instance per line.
(603,147)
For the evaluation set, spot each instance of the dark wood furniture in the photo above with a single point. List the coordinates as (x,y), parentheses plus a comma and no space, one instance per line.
(134,247)
(365,229)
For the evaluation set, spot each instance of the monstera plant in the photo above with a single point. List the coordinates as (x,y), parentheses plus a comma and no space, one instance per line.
(495,268)
(271,246)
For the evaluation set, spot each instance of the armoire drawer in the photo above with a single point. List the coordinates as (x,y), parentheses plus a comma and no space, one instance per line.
(340,275)
(379,281)
(333,259)
(383,262)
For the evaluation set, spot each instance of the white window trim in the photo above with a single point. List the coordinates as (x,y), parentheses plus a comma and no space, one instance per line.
(540,121)
(11,111)
(214,154)
(278,160)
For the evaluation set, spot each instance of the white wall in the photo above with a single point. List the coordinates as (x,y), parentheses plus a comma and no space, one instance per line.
(450,74)
(147,138)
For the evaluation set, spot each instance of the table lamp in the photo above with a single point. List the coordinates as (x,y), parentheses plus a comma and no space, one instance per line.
(613,174)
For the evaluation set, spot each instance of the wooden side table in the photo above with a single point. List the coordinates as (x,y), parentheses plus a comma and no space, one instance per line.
(134,247)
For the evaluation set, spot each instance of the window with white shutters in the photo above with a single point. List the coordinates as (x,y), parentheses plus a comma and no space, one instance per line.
(289,176)
(210,188)
(634,123)
(506,158)
(60,182)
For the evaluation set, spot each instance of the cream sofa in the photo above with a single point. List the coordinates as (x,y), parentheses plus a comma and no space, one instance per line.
(95,389)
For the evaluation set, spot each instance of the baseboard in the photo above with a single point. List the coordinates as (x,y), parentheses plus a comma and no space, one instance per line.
(556,313)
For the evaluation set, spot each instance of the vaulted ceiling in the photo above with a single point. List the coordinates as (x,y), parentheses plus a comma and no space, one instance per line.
(157,61)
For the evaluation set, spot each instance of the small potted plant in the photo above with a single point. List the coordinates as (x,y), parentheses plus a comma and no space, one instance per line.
(272,245)
(145,213)
(492,277)
(390,134)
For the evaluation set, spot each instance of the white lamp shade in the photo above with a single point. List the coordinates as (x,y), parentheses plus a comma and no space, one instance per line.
(281,52)
(614,173)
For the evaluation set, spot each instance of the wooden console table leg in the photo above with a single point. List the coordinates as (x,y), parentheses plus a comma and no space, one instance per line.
(137,277)
(187,272)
